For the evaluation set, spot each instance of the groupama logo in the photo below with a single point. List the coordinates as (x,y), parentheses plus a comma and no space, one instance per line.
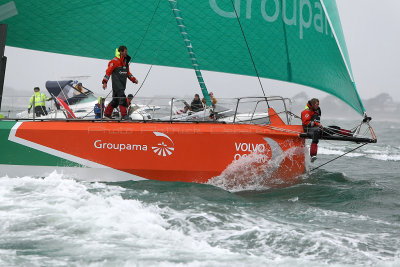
(162,149)
(303,14)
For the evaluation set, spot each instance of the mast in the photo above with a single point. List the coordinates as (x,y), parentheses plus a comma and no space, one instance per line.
(182,28)
(3,59)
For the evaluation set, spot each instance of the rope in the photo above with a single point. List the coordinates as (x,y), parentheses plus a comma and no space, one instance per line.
(338,157)
(282,130)
(147,29)
(294,115)
(248,49)
(155,56)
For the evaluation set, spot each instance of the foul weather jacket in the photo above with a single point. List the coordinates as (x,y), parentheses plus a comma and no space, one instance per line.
(213,101)
(118,69)
(196,105)
(39,99)
(310,117)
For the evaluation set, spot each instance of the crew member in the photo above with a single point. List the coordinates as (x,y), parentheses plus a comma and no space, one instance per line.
(39,100)
(99,108)
(128,103)
(213,99)
(310,118)
(118,69)
(196,104)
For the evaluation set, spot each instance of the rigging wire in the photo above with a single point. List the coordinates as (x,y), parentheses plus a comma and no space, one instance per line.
(147,29)
(338,157)
(156,55)
(248,49)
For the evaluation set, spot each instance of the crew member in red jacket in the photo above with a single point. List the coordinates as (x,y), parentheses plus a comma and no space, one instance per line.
(118,69)
(311,117)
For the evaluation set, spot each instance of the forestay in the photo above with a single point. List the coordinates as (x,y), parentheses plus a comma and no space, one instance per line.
(299,41)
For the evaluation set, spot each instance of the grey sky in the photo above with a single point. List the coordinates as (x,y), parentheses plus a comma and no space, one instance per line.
(371,28)
(372,32)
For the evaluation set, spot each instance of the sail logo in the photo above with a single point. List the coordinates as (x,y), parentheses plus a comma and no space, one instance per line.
(162,149)
(293,13)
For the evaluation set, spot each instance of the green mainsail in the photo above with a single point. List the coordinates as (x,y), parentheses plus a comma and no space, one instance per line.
(299,41)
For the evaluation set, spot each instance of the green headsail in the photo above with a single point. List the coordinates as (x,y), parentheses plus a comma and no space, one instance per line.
(299,41)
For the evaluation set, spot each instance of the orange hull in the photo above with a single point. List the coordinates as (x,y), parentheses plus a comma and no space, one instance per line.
(187,152)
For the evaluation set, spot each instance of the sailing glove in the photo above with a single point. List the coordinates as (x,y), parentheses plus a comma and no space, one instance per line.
(105,79)
(133,79)
(29,110)
(315,123)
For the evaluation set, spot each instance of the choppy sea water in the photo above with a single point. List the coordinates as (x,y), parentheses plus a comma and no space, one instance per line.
(346,213)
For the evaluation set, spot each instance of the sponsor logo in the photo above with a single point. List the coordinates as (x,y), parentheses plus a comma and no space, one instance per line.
(120,147)
(163,149)
(250,147)
(244,150)
(300,13)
